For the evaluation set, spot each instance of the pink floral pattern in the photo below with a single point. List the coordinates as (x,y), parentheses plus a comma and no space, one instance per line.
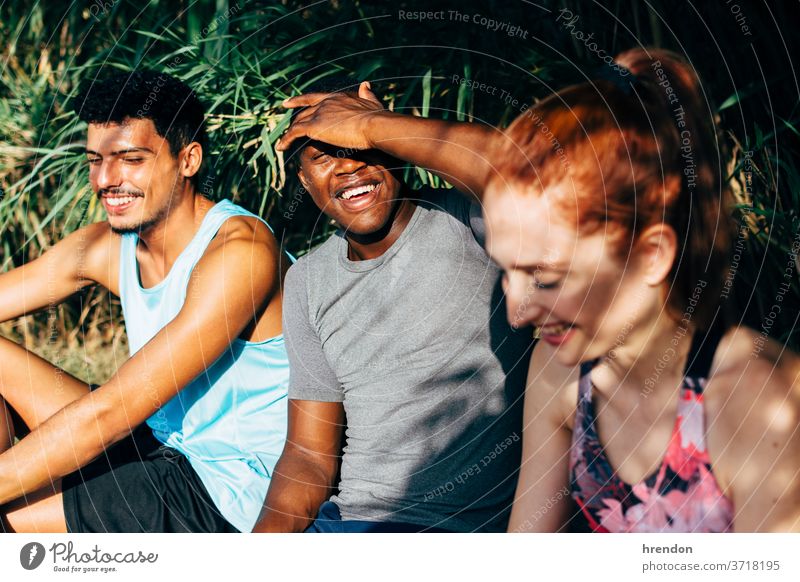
(682,495)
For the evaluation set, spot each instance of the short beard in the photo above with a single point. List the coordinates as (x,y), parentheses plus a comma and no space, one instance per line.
(142,226)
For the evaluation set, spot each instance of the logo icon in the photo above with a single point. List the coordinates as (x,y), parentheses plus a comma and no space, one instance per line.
(31,555)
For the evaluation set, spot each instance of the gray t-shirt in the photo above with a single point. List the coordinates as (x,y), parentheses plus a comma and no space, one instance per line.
(417,346)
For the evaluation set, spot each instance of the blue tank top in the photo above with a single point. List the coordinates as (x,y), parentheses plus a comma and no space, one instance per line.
(230,421)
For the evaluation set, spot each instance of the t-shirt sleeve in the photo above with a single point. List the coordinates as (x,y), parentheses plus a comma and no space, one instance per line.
(461,206)
(310,374)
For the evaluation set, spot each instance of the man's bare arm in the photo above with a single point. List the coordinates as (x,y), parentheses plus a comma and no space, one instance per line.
(229,283)
(456,151)
(70,265)
(305,475)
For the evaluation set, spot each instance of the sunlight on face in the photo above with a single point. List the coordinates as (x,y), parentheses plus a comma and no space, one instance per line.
(133,172)
(573,286)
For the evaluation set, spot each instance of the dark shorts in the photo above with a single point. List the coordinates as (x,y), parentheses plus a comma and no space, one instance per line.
(139,485)
(329,520)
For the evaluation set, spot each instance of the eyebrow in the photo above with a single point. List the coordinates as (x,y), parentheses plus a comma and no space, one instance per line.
(554,268)
(122,152)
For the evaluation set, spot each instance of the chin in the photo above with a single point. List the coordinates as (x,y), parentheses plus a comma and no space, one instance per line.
(120,227)
(365,224)
(568,359)
(574,354)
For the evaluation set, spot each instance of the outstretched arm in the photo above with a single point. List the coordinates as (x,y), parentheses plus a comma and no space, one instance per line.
(305,475)
(228,285)
(455,151)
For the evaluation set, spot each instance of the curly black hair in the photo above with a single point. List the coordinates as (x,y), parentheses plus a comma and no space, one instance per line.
(170,104)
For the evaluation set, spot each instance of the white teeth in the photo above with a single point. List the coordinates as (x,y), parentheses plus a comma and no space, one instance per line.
(555,328)
(119,201)
(347,194)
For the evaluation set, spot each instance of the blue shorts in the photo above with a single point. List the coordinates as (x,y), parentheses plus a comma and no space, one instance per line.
(329,520)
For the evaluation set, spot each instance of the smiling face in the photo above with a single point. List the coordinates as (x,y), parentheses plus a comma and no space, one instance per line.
(574,287)
(133,172)
(359,191)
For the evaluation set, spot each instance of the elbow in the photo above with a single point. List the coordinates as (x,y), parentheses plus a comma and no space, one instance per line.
(101,422)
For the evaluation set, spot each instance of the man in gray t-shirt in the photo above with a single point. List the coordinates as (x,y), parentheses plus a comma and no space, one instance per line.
(397,324)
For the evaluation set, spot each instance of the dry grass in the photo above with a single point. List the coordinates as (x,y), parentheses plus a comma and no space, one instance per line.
(91,348)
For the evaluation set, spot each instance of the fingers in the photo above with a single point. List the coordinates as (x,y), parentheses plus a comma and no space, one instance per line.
(305,100)
(305,114)
(365,92)
(296,131)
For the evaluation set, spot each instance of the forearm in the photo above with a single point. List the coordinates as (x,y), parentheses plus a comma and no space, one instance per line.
(299,486)
(67,441)
(456,151)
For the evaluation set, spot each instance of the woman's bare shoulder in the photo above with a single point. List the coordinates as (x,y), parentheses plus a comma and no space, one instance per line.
(752,407)
(753,391)
(748,358)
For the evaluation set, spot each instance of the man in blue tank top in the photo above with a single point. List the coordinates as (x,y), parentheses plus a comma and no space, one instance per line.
(185,436)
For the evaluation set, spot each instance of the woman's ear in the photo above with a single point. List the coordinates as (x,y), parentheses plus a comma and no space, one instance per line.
(657,248)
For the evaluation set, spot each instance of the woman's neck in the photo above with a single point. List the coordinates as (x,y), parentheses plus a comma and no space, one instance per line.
(651,361)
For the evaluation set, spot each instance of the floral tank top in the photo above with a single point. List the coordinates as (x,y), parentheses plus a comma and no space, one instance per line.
(682,495)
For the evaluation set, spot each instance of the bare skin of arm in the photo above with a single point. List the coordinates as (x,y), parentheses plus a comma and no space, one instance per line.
(79,260)
(751,407)
(305,475)
(455,151)
(235,279)
(546,437)
(753,434)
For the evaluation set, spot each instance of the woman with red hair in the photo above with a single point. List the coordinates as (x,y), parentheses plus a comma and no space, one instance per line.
(644,406)
(605,206)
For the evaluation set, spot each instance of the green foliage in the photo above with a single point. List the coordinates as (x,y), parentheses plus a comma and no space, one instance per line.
(245,57)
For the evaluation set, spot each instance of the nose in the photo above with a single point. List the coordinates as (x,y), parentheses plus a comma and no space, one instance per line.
(521,305)
(107,175)
(346,166)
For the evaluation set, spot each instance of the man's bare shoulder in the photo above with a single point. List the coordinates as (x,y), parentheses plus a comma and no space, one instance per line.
(94,250)
(245,230)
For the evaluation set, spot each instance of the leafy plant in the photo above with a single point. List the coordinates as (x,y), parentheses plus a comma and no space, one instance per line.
(245,57)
